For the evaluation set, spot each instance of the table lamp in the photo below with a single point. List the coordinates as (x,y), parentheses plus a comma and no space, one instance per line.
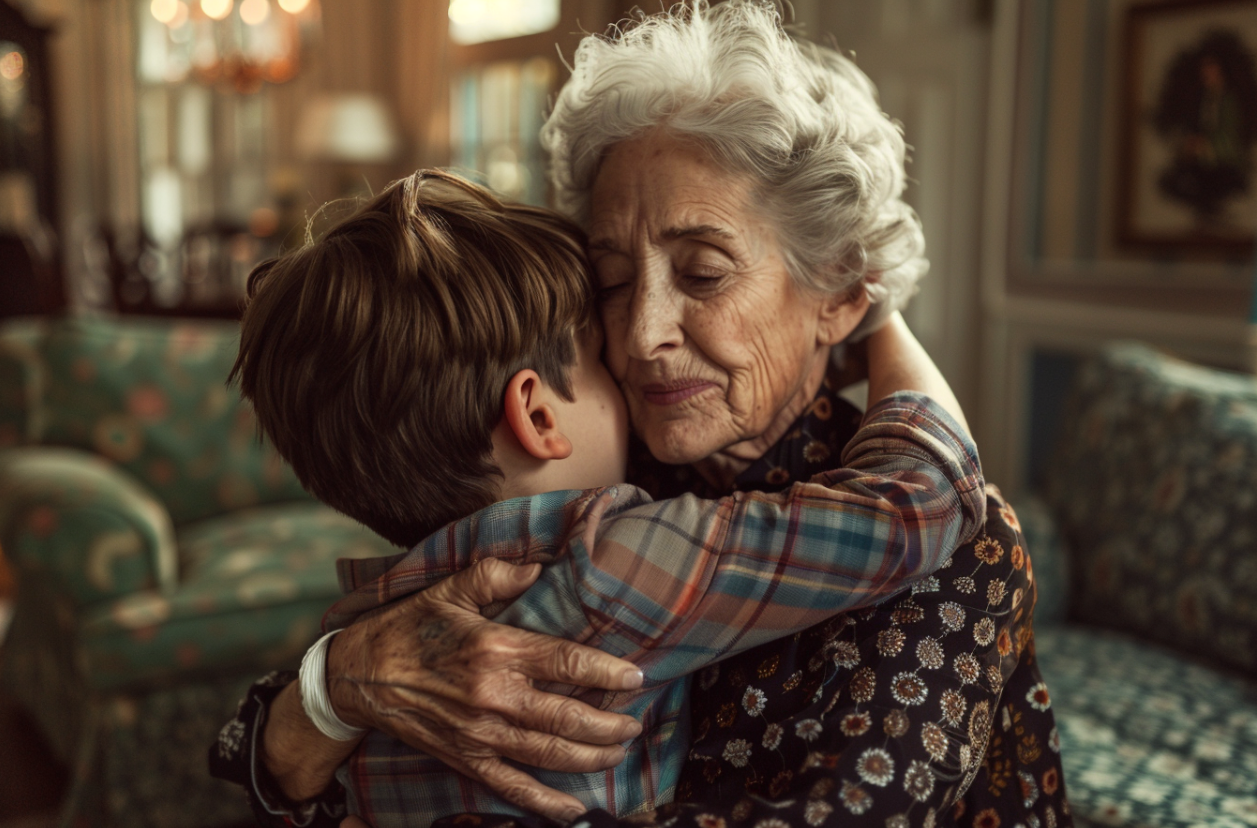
(347,130)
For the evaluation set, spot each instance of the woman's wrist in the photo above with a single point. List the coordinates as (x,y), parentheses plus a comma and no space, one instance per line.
(313,681)
(300,759)
(344,659)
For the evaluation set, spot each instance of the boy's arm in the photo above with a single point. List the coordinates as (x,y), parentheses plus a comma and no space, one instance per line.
(897,362)
(683,582)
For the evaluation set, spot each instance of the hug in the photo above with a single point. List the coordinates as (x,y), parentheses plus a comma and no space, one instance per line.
(764,606)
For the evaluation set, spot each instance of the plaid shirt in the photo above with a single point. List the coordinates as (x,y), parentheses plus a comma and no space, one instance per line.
(675,585)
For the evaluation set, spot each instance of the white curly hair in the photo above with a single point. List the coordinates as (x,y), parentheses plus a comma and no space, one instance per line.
(799,119)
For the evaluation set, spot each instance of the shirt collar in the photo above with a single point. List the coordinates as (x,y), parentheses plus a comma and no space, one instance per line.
(528,526)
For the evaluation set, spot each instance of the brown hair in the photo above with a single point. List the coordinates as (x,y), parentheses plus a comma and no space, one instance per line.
(376,357)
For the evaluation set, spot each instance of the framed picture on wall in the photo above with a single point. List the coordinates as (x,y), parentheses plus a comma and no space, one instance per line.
(1188,133)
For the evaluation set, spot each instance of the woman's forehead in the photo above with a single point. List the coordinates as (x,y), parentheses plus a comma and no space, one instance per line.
(671,187)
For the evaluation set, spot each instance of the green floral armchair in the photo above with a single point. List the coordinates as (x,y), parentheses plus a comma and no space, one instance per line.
(165,557)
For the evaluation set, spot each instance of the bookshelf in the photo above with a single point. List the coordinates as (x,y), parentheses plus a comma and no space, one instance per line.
(499,92)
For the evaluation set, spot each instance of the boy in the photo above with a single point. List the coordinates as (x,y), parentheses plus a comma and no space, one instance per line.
(433,362)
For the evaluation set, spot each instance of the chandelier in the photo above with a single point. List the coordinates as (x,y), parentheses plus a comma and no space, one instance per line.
(238,45)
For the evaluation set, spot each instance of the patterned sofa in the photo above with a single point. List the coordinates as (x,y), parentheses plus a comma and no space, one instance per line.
(1145,546)
(165,558)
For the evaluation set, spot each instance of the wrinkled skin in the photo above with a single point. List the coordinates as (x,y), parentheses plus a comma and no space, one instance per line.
(716,349)
(433,673)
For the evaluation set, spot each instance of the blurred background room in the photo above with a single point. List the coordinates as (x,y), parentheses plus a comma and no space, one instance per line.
(1084,170)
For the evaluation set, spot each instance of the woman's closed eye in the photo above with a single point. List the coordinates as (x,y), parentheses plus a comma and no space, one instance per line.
(700,279)
(613,276)
(610,292)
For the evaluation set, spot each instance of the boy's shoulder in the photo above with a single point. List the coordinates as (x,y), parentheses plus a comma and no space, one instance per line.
(521,530)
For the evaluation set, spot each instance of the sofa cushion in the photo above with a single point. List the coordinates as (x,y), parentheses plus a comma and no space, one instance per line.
(1155,487)
(19,379)
(1051,561)
(152,397)
(253,590)
(1146,737)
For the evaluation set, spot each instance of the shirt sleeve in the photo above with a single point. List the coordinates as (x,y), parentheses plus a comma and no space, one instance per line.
(683,582)
(925,709)
(235,758)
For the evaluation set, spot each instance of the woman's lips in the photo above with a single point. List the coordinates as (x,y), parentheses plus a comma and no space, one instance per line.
(659,393)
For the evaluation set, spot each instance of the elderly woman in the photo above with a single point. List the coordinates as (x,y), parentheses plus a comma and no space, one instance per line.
(735,184)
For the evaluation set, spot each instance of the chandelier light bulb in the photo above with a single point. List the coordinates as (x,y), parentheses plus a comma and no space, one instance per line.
(294,6)
(465,12)
(164,10)
(217,9)
(254,12)
(12,65)
(181,15)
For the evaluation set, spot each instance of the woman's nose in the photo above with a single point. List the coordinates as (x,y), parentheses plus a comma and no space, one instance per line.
(654,325)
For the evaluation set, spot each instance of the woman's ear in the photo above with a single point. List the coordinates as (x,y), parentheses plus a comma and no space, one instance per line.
(531,418)
(840,313)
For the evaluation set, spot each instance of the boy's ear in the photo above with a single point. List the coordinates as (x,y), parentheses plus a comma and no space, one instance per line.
(840,313)
(531,418)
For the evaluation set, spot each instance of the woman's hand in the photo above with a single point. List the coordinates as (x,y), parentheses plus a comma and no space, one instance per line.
(432,672)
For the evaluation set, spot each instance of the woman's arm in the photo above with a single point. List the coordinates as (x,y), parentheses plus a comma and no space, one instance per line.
(467,681)
(299,758)
(463,690)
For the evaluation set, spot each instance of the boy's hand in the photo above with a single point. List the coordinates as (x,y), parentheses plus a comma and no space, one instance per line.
(432,672)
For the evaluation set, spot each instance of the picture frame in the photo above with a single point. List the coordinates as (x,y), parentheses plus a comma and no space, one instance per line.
(1188,132)
(1068,164)
(1058,284)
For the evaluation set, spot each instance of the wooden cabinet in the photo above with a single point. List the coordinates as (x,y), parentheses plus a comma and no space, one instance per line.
(30,275)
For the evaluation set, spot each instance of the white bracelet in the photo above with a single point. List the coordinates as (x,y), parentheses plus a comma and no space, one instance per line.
(312,681)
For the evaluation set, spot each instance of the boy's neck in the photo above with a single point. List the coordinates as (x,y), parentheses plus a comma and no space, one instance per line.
(532,484)
(526,476)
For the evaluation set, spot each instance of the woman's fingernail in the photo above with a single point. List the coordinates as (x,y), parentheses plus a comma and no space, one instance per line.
(527,573)
(632,679)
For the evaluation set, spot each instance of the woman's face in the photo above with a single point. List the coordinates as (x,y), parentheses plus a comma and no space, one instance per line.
(713,344)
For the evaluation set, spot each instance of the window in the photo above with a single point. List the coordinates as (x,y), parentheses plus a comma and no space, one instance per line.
(504,68)
(497,115)
(480,21)
(205,126)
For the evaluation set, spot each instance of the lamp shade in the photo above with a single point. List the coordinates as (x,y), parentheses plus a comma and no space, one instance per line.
(353,128)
